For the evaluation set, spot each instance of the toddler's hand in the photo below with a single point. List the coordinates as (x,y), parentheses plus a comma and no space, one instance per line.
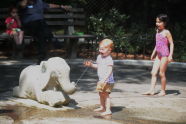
(88,63)
(101,82)
(101,85)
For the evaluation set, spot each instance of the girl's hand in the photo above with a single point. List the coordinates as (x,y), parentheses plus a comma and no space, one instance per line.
(88,63)
(12,21)
(152,57)
(170,59)
(16,17)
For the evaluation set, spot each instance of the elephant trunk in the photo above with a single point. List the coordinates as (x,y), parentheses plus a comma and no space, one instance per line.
(67,86)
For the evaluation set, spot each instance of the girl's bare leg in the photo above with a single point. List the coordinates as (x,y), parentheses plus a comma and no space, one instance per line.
(163,68)
(16,37)
(154,72)
(21,34)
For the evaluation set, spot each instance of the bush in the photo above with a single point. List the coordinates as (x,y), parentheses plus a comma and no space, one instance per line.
(179,36)
(109,25)
(141,40)
(112,25)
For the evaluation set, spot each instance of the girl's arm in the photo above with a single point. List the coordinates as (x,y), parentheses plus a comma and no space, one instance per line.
(9,23)
(18,21)
(169,37)
(153,53)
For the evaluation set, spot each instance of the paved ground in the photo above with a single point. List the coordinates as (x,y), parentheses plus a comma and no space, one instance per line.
(129,106)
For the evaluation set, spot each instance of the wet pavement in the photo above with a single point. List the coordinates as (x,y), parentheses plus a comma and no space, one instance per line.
(129,106)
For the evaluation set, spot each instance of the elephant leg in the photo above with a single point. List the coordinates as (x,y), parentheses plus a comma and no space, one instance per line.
(17,91)
(51,97)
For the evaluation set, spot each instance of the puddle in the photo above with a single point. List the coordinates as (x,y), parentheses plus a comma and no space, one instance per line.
(120,114)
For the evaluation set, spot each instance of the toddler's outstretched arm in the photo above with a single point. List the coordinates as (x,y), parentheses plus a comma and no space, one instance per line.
(90,64)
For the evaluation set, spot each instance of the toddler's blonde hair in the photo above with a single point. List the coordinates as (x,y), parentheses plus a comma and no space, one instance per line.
(107,43)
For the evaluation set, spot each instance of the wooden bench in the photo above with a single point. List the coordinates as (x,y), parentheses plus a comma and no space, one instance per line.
(59,19)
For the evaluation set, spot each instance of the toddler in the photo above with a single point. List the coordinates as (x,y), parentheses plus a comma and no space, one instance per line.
(104,66)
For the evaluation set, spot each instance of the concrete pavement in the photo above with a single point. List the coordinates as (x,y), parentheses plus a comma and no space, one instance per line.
(132,79)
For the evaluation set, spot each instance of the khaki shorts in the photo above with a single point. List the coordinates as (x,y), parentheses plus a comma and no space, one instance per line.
(104,87)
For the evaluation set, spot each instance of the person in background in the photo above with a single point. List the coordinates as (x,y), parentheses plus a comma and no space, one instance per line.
(32,17)
(13,25)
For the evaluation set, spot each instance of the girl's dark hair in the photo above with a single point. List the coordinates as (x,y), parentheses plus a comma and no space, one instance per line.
(11,8)
(163,18)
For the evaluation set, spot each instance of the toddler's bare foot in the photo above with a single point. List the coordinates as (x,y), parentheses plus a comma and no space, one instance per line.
(106,113)
(148,93)
(162,93)
(99,109)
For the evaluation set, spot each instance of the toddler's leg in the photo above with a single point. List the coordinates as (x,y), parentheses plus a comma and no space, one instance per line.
(163,68)
(154,72)
(107,104)
(102,103)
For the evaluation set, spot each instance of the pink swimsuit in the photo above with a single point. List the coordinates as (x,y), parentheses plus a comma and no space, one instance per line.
(162,48)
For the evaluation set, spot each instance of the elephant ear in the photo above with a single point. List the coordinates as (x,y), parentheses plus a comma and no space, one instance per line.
(43,67)
(45,74)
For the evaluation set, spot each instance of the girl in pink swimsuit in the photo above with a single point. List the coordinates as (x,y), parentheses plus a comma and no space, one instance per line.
(161,54)
(162,47)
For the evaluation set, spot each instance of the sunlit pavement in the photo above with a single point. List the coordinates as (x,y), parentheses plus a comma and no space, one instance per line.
(132,79)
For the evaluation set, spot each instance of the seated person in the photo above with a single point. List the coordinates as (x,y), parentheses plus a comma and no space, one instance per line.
(13,25)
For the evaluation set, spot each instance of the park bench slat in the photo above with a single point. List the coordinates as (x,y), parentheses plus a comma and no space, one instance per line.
(75,36)
(65,16)
(2,10)
(65,23)
(60,10)
(55,16)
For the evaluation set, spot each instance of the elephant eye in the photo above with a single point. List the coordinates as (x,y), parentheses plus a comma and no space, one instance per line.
(59,73)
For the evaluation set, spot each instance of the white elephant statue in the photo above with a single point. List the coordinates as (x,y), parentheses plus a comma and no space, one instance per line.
(47,83)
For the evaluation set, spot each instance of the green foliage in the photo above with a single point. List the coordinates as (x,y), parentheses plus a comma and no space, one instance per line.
(112,25)
(179,36)
(140,40)
(109,25)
